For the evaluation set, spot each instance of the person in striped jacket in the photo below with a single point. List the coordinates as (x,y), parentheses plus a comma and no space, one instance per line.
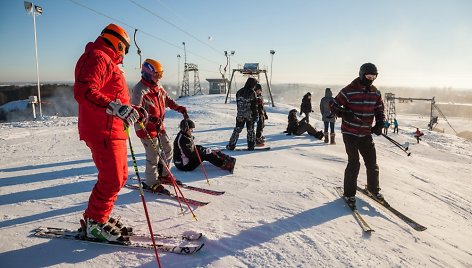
(358,104)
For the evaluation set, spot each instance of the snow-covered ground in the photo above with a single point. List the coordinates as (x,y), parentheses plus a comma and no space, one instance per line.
(279,209)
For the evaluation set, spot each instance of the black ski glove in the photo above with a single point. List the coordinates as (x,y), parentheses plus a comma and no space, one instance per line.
(377,129)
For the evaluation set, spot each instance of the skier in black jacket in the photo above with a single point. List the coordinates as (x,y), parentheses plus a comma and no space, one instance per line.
(185,156)
(247,114)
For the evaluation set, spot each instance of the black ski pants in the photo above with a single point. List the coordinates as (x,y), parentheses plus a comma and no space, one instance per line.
(366,147)
(251,136)
(305,127)
(260,127)
(215,157)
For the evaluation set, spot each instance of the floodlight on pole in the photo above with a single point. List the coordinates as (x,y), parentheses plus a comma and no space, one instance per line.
(185,54)
(272,52)
(228,55)
(178,71)
(35,11)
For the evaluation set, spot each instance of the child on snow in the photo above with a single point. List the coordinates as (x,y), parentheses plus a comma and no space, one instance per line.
(386,126)
(187,155)
(418,135)
(395,125)
(297,128)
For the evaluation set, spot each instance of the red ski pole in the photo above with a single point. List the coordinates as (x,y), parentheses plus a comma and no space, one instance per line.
(141,193)
(174,183)
(201,163)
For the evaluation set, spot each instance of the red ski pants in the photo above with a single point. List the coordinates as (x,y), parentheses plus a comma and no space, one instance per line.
(110,158)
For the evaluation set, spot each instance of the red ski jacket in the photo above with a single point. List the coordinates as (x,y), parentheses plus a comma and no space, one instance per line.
(154,99)
(98,81)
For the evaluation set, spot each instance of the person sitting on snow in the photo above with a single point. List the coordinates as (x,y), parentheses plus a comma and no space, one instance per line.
(188,156)
(297,128)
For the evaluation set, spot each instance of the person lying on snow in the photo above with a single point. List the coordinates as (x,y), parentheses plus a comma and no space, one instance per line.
(297,128)
(187,155)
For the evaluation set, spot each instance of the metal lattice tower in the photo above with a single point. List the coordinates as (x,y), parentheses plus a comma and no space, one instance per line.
(391,114)
(190,67)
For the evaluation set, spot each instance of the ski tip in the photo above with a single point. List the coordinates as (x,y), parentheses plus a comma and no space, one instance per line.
(199,248)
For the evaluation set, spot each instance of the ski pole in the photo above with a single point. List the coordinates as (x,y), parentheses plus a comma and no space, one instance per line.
(201,163)
(387,137)
(397,144)
(174,183)
(141,192)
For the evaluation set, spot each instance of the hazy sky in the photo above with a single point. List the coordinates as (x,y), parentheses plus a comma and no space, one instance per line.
(426,43)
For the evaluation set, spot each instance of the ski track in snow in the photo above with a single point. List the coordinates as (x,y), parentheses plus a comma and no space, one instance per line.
(280,208)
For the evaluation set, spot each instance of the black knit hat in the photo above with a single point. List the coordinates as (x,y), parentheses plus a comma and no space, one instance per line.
(186,124)
(258,86)
(367,68)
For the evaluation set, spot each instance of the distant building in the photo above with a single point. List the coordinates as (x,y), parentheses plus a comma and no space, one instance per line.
(217,86)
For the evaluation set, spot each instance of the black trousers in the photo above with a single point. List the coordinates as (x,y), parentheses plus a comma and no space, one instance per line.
(251,136)
(215,157)
(366,147)
(305,127)
(260,127)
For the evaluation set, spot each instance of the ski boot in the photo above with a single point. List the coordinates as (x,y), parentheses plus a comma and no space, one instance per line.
(350,200)
(101,231)
(167,180)
(118,224)
(156,188)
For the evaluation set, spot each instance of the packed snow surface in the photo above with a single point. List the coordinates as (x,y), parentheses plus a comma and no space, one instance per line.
(280,208)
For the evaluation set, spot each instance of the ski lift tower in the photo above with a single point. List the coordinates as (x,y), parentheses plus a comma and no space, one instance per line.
(190,67)
(251,70)
(391,114)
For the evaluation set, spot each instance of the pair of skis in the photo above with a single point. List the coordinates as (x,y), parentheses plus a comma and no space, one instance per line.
(166,243)
(364,225)
(185,186)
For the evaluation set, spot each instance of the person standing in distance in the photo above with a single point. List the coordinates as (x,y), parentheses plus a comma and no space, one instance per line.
(358,104)
(104,111)
(327,117)
(247,114)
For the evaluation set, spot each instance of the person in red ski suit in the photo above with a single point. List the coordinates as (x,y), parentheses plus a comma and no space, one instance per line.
(104,111)
(149,94)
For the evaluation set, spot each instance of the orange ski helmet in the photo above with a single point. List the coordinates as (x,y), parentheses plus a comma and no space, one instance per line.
(117,37)
(149,70)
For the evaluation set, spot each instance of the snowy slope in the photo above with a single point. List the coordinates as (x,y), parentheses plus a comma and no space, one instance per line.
(279,209)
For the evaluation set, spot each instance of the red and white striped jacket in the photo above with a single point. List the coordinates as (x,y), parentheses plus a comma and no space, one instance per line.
(366,104)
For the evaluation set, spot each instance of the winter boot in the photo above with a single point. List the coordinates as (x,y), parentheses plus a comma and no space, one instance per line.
(118,224)
(332,136)
(229,164)
(230,147)
(167,180)
(350,200)
(103,231)
(259,142)
(326,139)
(156,188)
